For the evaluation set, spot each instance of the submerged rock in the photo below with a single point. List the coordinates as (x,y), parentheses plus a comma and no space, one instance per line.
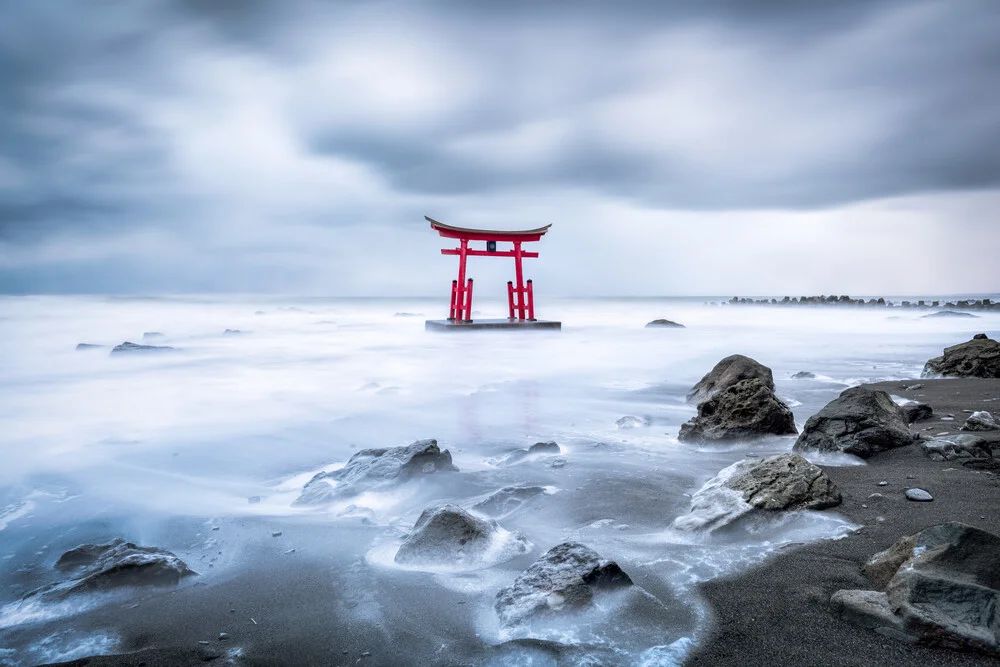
(508,499)
(804,375)
(942,588)
(981,421)
(979,357)
(728,372)
(785,482)
(550,448)
(861,421)
(563,579)
(80,347)
(664,324)
(377,468)
(747,409)
(448,535)
(951,447)
(949,313)
(233,332)
(129,348)
(119,563)
(631,421)
(916,412)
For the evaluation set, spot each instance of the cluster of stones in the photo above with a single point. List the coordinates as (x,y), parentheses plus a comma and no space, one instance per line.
(845,300)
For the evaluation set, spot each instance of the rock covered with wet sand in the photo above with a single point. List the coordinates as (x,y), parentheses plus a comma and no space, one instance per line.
(565,578)
(861,421)
(979,357)
(377,468)
(785,482)
(941,588)
(747,409)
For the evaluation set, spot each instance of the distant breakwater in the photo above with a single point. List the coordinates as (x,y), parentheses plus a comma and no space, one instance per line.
(844,300)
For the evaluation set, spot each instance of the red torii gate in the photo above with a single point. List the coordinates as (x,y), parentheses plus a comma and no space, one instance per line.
(520,298)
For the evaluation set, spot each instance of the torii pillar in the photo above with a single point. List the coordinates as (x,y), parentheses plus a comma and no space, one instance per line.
(520,297)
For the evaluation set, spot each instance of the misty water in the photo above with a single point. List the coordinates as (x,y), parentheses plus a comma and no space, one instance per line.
(173,450)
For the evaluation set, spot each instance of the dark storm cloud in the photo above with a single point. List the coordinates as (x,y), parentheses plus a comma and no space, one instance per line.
(215,126)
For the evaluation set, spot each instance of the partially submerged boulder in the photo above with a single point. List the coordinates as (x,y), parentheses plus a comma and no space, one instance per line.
(96,567)
(861,421)
(785,482)
(747,409)
(565,578)
(979,357)
(549,448)
(726,373)
(132,348)
(664,324)
(377,468)
(942,588)
(951,447)
(632,421)
(448,535)
(508,499)
(981,421)
(804,375)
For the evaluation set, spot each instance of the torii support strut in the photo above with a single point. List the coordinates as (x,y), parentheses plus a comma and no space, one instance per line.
(520,297)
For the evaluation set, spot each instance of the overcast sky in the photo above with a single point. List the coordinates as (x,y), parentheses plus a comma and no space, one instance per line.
(712,147)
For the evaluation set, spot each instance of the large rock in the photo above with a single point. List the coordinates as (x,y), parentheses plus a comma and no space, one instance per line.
(448,535)
(747,409)
(728,372)
(979,357)
(133,348)
(95,567)
(784,482)
(565,578)
(507,500)
(951,447)
(942,588)
(375,469)
(981,421)
(861,421)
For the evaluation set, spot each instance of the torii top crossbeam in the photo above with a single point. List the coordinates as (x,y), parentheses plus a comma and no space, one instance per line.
(523,305)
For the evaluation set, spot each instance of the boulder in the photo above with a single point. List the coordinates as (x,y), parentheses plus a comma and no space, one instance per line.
(565,578)
(785,482)
(747,409)
(915,412)
(508,499)
(664,323)
(632,421)
(728,372)
(942,588)
(448,535)
(949,313)
(861,421)
(804,375)
(130,348)
(979,357)
(95,567)
(981,421)
(538,449)
(951,447)
(375,469)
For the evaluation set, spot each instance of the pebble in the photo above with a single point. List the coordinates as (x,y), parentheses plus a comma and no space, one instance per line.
(947,419)
(943,433)
(203,642)
(223,636)
(290,551)
(276,533)
(883,483)
(215,527)
(918,495)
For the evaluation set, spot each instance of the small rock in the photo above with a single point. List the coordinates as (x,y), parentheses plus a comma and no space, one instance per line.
(947,419)
(127,348)
(981,421)
(918,495)
(203,642)
(664,323)
(223,636)
(276,533)
(631,421)
(215,528)
(804,375)
(253,500)
(913,387)
(883,483)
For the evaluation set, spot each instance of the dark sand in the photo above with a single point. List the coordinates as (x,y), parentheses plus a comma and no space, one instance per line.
(779,614)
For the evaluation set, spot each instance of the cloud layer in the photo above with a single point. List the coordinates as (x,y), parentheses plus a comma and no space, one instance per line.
(294,147)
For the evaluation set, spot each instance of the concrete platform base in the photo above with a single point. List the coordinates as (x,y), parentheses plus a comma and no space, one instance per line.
(482,325)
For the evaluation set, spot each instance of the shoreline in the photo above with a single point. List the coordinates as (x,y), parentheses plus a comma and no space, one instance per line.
(779,611)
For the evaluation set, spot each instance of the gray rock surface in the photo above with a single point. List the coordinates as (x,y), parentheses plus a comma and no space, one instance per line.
(507,500)
(132,348)
(563,579)
(448,535)
(726,373)
(80,347)
(942,588)
(981,421)
(747,409)
(95,567)
(917,412)
(951,447)
(664,324)
(804,375)
(376,469)
(861,421)
(538,449)
(785,482)
(979,357)
(919,495)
